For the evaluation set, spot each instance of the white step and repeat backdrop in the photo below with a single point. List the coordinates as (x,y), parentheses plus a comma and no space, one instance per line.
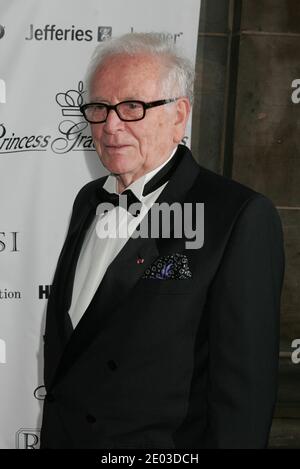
(46,156)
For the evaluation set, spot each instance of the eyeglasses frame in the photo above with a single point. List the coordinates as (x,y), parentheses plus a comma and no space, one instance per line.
(109,107)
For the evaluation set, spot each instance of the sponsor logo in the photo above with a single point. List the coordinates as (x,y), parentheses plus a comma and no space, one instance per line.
(172,37)
(52,32)
(9,295)
(104,33)
(15,144)
(2,31)
(73,136)
(2,91)
(28,438)
(2,351)
(73,130)
(9,241)
(44,292)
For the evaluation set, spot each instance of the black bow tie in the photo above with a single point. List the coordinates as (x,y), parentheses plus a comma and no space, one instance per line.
(116,200)
(162,176)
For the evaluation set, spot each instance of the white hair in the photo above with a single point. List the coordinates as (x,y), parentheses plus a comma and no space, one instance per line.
(179,75)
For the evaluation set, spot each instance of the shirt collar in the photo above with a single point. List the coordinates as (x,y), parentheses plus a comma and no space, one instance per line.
(137,186)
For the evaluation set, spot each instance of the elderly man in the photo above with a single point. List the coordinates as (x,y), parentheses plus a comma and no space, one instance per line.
(152,342)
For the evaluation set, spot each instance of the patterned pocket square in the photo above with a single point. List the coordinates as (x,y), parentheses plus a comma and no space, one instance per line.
(174,266)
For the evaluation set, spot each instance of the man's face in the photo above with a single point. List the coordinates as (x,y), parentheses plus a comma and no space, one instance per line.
(131,149)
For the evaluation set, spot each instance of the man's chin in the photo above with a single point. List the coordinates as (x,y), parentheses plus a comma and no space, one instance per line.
(118,165)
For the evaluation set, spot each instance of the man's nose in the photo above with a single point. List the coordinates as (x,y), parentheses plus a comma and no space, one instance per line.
(113,122)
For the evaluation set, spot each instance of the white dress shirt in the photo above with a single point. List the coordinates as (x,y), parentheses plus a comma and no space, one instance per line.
(97,251)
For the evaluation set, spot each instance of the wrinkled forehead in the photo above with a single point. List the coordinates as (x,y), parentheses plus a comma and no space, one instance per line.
(123,74)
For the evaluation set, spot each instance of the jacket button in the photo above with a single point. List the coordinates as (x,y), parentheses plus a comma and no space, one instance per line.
(50,397)
(112,365)
(91,419)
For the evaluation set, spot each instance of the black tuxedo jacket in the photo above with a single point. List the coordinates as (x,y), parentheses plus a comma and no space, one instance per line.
(170,363)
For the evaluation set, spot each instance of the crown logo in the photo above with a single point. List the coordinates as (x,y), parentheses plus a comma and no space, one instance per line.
(70,101)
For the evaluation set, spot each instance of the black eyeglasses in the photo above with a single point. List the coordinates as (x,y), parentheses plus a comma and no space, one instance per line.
(95,113)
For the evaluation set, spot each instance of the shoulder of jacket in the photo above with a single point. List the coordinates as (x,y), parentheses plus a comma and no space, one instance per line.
(223,196)
(222,189)
(87,190)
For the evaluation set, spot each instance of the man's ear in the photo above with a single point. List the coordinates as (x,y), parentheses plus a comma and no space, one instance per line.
(183,108)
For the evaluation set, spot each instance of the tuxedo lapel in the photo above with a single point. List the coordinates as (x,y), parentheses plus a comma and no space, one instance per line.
(125,270)
(66,267)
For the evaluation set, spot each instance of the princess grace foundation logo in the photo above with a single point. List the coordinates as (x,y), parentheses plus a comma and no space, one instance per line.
(73,136)
(72,131)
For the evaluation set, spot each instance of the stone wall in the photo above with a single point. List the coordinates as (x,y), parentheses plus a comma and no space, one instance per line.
(245,126)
